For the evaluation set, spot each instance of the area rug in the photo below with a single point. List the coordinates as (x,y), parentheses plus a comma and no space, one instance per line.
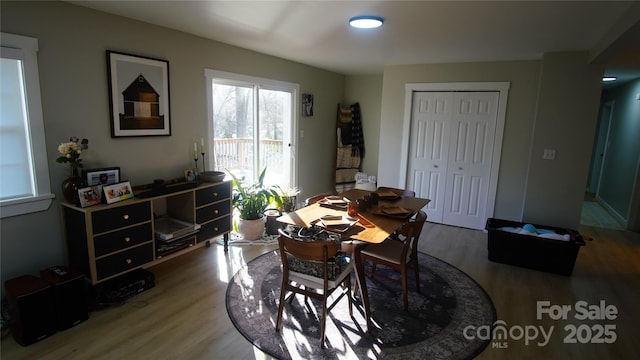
(433,327)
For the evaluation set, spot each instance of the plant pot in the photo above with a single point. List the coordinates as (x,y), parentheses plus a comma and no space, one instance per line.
(251,229)
(272,225)
(288,203)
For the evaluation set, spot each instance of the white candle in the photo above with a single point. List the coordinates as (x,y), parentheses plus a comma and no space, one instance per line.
(202,145)
(195,150)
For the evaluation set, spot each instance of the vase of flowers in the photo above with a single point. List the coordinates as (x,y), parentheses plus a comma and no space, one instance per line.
(70,153)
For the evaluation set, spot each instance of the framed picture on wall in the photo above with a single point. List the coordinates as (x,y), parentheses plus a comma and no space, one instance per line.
(307,104)
(138,95)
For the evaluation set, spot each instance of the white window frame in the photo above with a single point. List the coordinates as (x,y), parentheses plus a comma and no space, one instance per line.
(41,198)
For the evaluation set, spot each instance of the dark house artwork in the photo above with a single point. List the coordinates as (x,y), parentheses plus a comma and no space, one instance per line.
(141,107)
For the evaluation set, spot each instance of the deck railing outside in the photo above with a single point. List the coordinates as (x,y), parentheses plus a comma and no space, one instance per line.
(236,155)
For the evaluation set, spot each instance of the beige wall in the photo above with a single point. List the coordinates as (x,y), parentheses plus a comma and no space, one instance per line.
(73,77)
(552,104)
(523,78)
(568,102)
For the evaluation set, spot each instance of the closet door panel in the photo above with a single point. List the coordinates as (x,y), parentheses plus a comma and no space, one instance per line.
(429,148)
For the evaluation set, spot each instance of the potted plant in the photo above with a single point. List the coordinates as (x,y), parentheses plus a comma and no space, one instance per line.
(288,197)
(251,200)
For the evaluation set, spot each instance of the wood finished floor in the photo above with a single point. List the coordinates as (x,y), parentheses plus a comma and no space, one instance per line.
(184,315)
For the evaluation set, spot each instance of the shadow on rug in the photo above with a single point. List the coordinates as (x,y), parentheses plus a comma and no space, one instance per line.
(432,329)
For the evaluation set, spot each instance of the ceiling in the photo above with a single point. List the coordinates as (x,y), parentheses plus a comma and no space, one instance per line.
(415,32)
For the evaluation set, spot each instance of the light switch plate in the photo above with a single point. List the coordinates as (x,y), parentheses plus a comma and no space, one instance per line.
(549,154)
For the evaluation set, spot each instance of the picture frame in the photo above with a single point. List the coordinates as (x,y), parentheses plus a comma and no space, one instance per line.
(138,95)
(90,196)
(307,104)
(191,174)
(101,176)
(117,192)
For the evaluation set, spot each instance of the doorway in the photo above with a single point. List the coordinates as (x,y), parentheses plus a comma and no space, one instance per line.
(253,121)
(453,138)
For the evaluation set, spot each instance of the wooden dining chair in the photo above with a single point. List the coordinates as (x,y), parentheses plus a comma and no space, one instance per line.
(314,269)
(399,252)
(315,198)
(400,192)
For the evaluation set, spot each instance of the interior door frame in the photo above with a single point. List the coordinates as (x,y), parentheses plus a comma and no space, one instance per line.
(501,87)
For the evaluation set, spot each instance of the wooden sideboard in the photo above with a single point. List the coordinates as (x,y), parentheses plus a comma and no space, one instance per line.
(104,241)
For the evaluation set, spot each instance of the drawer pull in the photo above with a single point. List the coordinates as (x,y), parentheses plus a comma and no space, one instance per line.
(215,194)
(216,211)
(215,228)
(127,239)
(129,261)
(125,216)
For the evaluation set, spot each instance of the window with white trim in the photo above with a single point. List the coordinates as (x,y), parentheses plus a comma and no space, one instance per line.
(24,170)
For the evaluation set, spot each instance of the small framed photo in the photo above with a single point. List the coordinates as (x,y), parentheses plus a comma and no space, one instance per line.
(117,192)
(102,176)
(191,174)
(307,104)
(90,195)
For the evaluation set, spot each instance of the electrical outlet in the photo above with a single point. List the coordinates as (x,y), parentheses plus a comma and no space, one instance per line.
(549,154)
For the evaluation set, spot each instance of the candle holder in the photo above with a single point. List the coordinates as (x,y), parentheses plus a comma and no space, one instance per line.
(195,160)
(202,161)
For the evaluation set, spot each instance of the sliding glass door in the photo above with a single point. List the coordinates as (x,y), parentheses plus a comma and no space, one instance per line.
(253,123)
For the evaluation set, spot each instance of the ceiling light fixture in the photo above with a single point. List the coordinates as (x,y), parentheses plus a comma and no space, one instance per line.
(609,78)
(366,22)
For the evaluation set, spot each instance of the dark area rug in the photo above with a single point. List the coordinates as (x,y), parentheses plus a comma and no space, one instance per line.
(432,328)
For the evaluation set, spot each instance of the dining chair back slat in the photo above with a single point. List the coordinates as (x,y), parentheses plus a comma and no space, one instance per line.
(401,192)
(334,274)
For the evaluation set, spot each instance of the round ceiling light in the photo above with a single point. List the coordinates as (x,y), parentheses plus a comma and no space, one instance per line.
(366,22)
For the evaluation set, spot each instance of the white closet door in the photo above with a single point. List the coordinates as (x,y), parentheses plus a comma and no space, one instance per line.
(473,127)
(429,147)
(451,144)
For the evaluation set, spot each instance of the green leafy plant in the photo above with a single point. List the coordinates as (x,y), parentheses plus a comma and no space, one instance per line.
(251,200)
(287,201)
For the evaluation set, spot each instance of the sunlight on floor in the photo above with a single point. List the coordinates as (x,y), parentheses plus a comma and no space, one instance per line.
(229,263)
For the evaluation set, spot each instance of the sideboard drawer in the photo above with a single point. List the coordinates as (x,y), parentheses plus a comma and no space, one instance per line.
(212,211)
(122,239)
(120,216)
(213,194)
(214,228)
(124,261)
